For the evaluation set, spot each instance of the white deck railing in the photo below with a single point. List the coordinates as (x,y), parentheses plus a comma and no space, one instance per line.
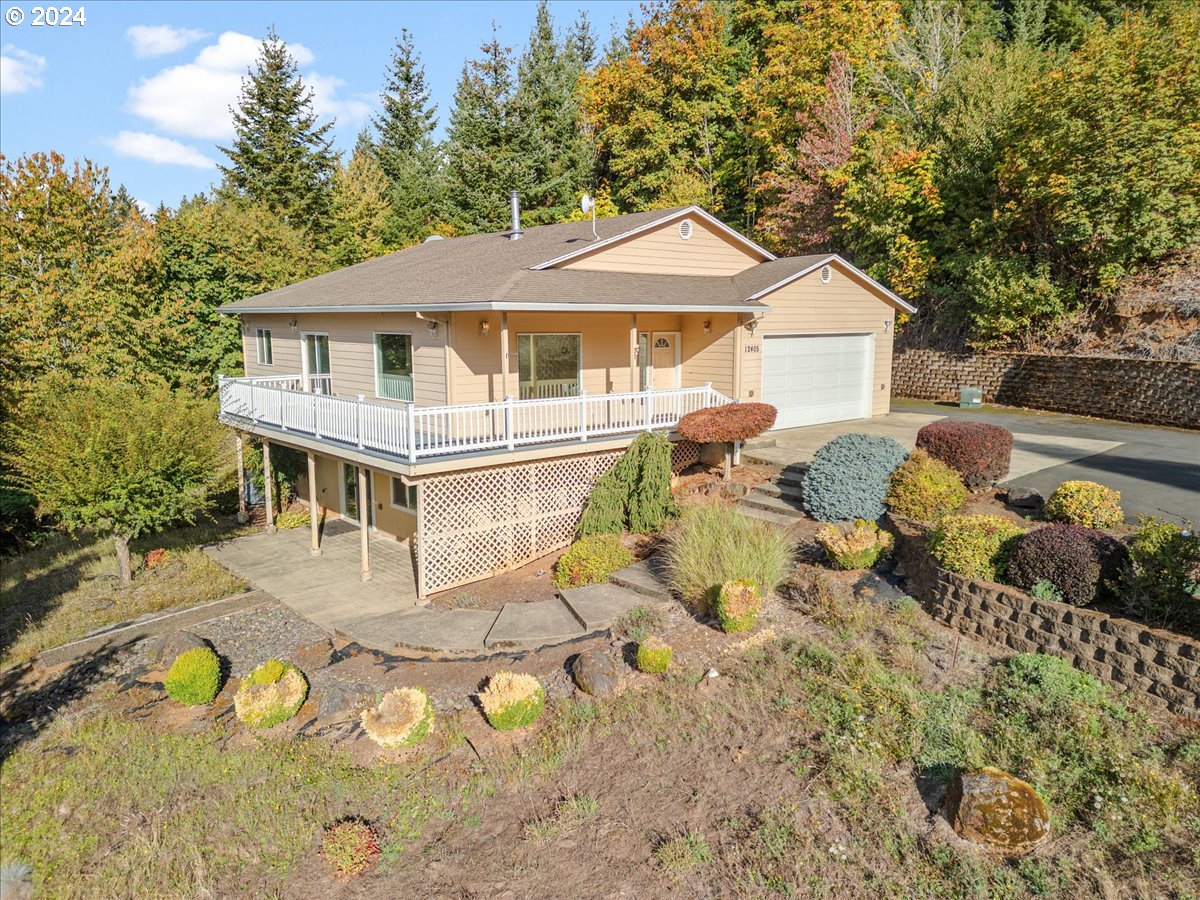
(414,432)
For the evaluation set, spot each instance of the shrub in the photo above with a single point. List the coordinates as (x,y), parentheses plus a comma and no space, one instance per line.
(653,656)
(639,623)
(1085,503)
(591,560)
(512,700)
(272,693)
(634,492)
(860,547)
(732,422)
(738,604)
(195,677)
(1165,568)
(974,546)
(350,846)
(155,557)
(848,477)
(404,717)
(925,489)
(715,543)
(287,520)
(1044,589)
(979,452)
(1081,563)
(822,595)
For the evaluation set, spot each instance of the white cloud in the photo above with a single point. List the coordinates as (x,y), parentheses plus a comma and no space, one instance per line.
(20,71)
(158,149)
(328,105)
(193,99)
(159,40)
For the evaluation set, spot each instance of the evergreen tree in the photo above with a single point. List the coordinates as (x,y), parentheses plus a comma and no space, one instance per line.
(365,142)
(280,156)
(359,212)
(582,41)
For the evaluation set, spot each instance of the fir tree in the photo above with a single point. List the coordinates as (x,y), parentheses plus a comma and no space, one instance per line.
(280,156)
(365,142)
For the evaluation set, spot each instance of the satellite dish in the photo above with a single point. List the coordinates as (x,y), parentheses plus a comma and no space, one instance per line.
(587,204)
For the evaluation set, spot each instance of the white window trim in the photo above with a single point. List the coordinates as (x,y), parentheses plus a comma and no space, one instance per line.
(578,334)
(410,510)
(258,345)
(412,360)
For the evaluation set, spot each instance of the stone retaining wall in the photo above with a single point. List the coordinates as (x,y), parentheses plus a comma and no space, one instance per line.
(1161,666)
(1156,392)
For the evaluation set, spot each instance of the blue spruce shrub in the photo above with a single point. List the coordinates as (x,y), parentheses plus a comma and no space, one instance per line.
(848,477)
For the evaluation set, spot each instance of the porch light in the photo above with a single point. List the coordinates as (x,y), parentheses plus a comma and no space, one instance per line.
(432,327)
(752,326)
(707,326)
(293,324)
(484,327)
(887,325)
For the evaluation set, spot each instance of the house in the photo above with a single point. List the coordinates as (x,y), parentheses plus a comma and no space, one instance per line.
(467,392)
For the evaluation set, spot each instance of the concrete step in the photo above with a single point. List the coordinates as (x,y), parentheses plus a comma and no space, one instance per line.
(596,606)
(785,489)
(774,518)
(527,626)
(779,505)
(426,630)
(641,579)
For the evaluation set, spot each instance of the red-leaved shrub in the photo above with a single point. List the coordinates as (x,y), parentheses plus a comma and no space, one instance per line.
(732,422)
(1081,563)
(979,452)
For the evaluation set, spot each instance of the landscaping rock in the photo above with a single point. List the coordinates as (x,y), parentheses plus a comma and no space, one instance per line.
(343,699)
(314,656)
(164,649)
(990,807)
(874,588)
(596,672)
(1025,498)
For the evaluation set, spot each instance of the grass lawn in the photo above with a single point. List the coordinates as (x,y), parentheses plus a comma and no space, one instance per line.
(68,586)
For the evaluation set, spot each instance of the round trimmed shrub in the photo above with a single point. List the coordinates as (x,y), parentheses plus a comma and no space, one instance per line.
(860,547)
(732,422)
(974,546)
(1085,503)
(512,700)
(925,489)
(194,677)
(1081,563)
(351,846)
(591,560)
(848,477)
(738,604)
(403,717)
(653,655)
(979,452)
(272,693)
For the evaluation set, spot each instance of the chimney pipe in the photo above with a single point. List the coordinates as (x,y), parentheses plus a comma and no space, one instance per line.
(515,199)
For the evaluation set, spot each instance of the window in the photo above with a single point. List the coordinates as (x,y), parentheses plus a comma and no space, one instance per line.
(404,496)
(549,365)
(262,341)
(393,366)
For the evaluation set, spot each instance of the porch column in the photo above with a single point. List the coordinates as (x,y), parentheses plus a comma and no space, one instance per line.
(364,521)
(242,517)
(313,523)
(633,348)
(503,355)
(268,485)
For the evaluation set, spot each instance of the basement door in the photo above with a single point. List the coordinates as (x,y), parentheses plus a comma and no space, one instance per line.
(818,378)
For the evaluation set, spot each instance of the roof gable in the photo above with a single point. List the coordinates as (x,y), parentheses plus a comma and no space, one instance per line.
(803,266)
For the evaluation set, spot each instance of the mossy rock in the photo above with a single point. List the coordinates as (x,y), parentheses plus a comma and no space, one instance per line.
(991,807)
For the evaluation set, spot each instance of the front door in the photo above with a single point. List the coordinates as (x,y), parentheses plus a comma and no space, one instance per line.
(316,363)
(664,360)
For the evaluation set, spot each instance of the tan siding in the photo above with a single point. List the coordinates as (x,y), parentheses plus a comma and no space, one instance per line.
(352,350)
(843,306)
(397,522)
(662,252)
(709,357)
(388,520)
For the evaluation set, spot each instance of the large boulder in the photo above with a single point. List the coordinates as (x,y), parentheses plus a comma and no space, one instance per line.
(596,672)
(990,807)
(1025,498)
(165,648)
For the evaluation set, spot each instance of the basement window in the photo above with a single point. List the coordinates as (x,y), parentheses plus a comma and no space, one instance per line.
(404,496)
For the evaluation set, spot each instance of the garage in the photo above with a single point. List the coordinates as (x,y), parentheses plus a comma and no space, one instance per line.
(813,379)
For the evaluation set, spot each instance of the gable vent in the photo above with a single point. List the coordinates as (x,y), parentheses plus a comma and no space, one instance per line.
(826,274)
(685,230)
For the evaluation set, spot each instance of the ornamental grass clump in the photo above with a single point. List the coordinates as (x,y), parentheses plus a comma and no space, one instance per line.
(350,846)
(653,656)
(512,700)
(860,546)
(979,452)
(272,693)
(1085,503)
(403,717)
(925,489)
(738,604)
(590,560)
(194,677)
(1081,563)
(286,520)
(848,477)
(974,546)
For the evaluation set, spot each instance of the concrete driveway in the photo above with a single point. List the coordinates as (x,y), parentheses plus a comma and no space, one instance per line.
(1157,470)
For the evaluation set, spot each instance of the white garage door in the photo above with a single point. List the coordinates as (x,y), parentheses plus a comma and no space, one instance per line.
(817,378)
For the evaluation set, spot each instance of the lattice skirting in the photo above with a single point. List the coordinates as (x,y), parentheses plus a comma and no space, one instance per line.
(481,522)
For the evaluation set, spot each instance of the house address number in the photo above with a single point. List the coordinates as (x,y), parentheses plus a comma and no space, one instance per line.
(753,348)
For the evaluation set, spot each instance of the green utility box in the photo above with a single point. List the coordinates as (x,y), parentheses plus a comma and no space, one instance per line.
(970,397)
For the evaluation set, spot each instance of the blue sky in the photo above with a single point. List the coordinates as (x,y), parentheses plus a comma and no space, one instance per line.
(144,87)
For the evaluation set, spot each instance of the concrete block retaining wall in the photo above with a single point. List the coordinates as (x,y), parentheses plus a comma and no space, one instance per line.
(1162,666)
(1154,392)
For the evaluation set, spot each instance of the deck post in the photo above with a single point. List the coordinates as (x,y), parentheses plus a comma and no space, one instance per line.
(503,354)
(268,486)
(582,414)
(360,412)
(242,517)
(313,523)
(508,422)
(364,521)
(634,367)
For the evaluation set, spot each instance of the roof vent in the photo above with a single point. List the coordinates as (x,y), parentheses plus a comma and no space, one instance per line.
(514,201)
(685,230)
(433,237)
(826,274)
